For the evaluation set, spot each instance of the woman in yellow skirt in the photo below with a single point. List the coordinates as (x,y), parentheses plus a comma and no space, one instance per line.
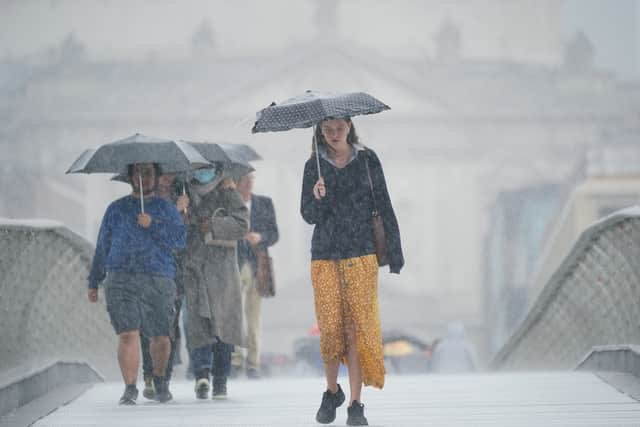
(344,266)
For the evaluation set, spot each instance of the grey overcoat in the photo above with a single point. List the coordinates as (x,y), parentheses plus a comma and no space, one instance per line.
(210,269)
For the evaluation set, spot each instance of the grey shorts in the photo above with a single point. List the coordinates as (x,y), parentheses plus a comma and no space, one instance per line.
(138,301)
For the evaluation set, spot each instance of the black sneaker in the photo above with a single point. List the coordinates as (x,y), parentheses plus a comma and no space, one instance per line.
(163,395)
(330,401)
(355,414)
(130,395)
(253,374)
(219,388)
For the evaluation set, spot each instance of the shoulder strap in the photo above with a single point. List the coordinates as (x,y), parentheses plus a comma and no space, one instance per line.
(373,197)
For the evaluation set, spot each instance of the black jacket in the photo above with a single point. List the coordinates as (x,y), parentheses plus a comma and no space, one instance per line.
(262,220)
(342,218)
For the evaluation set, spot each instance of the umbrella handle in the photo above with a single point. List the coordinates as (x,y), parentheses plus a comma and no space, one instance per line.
(141,193)
(315,143)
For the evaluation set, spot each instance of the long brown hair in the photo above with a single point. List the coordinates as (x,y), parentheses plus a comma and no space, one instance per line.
(352,136)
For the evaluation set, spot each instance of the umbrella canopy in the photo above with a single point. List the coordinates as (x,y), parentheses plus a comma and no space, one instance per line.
(312,107)
(243,150)
(233,163)
(226,155)
(81,162)
(172,156)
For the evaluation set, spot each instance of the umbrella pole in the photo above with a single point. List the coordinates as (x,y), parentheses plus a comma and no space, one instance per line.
(141,193)
(315,143)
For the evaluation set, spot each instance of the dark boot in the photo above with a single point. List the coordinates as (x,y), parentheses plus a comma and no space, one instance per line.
(219,388)
(149,391)
(330,401)
(355,414)
(163,395)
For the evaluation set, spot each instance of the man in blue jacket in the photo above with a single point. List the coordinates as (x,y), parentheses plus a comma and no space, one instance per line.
(134,260)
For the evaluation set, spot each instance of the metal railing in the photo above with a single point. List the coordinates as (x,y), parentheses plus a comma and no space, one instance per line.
(592,299)
(44,310)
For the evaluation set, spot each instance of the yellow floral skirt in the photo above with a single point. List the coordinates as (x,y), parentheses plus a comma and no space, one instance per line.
(347,290)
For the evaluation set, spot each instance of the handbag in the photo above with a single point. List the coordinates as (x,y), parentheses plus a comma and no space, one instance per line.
(377,225)
(208,238)
(265,283)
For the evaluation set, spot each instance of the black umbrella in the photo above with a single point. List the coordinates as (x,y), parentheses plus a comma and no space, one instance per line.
(81,162)
(172,156)
(311,108)
(232,158)
(245,151)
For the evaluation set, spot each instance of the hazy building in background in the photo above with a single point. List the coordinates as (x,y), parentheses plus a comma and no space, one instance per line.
(488,97)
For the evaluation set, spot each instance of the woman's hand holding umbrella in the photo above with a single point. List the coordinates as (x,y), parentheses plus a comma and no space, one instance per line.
(319,190)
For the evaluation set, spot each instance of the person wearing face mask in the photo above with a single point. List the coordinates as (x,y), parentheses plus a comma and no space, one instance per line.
(217,218)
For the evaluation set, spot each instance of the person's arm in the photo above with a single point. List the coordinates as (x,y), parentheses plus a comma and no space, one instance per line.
(391,228)
(314,210)
(269,235)
(103,245)
(232,221)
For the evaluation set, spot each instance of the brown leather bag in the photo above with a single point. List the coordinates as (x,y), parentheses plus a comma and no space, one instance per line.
(265,283)
(377,224)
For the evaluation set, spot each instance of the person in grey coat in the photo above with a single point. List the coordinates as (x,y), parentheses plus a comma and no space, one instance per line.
(217,219)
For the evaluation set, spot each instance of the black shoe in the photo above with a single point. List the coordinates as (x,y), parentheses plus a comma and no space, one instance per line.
(219,388)
(130,395)
(235,371)
(163,395)
(253,374)
(149,391)
(330,401)
(355,414)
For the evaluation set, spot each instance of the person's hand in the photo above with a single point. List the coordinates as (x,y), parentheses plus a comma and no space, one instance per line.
(93,295)
(253,238)
(228,183)
(182,203)
(319,190)
(144,220)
